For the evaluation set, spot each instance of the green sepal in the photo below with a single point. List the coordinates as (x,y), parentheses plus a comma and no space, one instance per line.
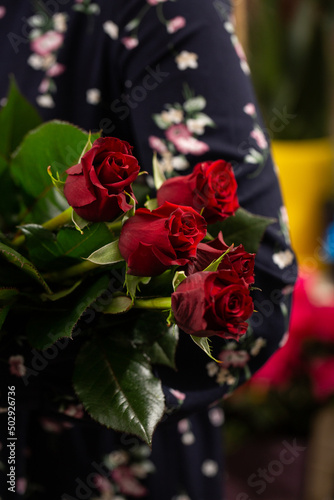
(158,175)
(151,204)
(204,344)
(179,276)
(133,283)
(58,184)
(213,266)
(79,222)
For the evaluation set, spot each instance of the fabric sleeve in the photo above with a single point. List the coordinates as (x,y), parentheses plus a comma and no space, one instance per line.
(185,91)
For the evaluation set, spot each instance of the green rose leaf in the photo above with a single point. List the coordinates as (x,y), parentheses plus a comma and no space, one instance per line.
(108,254)
(25,265)
(204,344)
(45,247)
(17,117)
(162,352)
(244,228)
(56,144)
(117,387)
(118,304)
(60,320)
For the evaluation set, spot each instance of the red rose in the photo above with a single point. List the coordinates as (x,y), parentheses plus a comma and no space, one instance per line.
(237,258)
(211,186)
(213,303)
(98,187)
(151,242)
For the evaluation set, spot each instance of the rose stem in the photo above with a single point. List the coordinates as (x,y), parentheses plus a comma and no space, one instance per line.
(51,224)
(80,268)
(157,303)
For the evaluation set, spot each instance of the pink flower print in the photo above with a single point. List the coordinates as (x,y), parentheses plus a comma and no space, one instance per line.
(249,109)
(259,137)
(177,394)
(55,70)
(44,86)
(181,137)
(103,485)
(16,366)
(127,483)
(155,2)
(21,485)
(2,11)
(176,132)
(157,144)
(130,42)
(47,43)
(176,24)
(234,358)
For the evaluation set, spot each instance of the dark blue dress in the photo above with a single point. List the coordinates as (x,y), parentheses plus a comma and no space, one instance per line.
(168,76)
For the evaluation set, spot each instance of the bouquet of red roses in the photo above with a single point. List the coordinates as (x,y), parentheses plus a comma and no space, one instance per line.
(87,254)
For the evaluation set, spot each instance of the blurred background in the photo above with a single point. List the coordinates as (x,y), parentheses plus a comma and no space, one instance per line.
(279,428)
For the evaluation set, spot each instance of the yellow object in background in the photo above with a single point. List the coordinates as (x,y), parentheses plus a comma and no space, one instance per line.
(306,171)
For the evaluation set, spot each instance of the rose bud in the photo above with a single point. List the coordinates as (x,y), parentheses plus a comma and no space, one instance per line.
(213,303)
(211,187)
(98,187)
(151,242)
(237,258)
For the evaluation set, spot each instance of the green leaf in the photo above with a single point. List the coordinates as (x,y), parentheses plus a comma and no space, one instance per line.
(117,387)
(56,144)
(79,222)
(118,304)
(244,228)
(60,320)
(159,176)
(151,204)
(133,283)
(25,265)
(7,294)
(162,352)
(45,248)
(203,343)
(17,117)
(4,310)
(61,293)
(108,254)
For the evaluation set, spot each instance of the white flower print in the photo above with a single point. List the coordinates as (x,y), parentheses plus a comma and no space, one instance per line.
(60,22)
(180,163)
(257,346)
(234,358)
(216,417)
(197,125)
(188,438)
(93,96)
(183,425)
(111,29)
(283,259)
(212,368)
(209,468)
(284,339)
(185,60)
(172,115)
(36,61)
(45,101)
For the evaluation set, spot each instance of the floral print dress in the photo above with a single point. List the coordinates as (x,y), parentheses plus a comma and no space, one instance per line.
(170,77)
